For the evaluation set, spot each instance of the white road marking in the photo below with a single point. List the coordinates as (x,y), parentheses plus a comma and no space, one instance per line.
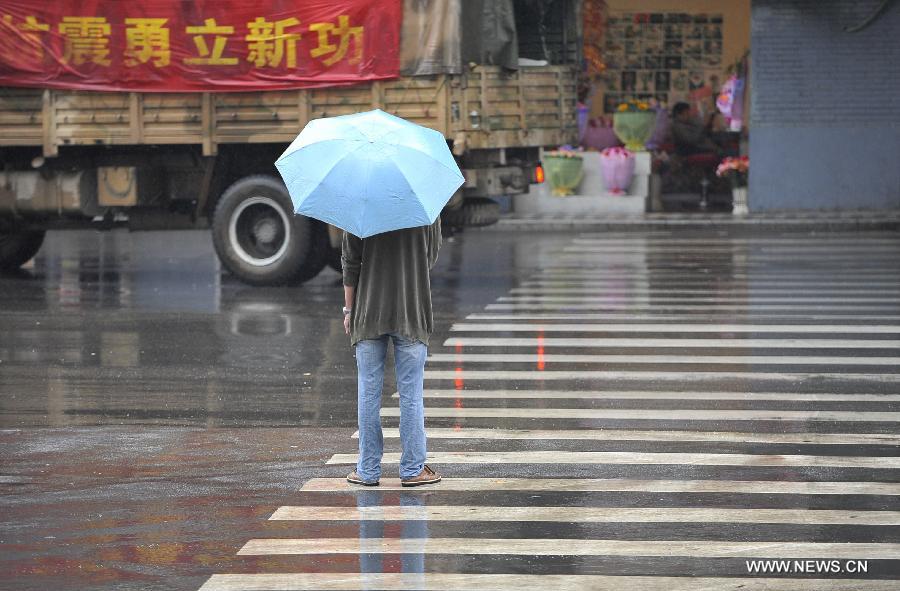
(659,435)
(764,487)
(680,376)
(662,359)
(680,328)
(651,395)
(749,343)
(604,289)
(626,305)
(659,414)
(570,547)
(516,582)
(687,317)
(576,514)
(651,297)
(646,458)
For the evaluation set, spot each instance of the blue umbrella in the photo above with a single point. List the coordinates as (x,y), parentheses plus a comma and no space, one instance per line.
(369,173)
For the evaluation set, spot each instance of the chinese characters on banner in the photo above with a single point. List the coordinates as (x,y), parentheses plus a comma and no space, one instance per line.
(197,45)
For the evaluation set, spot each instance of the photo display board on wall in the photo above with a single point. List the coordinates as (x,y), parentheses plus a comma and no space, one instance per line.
(668,56)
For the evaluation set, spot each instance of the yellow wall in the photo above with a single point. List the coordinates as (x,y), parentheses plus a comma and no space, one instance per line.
(735,27)
(736,15)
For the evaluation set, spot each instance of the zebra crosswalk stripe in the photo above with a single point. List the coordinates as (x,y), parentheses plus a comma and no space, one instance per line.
(706,307)
(849,416)
(549,485)
(615,457)
(324,581)
(749,298)
(656,316)
(584,514)
(682,327)
(678,376)
(663,359)
(750,396)
(668,435)
(569,547)
(621,342)
(602,288)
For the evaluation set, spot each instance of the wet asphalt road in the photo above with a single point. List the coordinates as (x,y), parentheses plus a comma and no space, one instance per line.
(154,413)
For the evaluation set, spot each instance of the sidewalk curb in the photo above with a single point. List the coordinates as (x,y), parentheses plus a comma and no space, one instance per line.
(883,221)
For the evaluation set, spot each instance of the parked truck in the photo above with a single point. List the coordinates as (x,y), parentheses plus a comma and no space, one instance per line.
(163,160)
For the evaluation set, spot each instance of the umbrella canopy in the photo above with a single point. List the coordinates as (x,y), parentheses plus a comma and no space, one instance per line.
(369,173)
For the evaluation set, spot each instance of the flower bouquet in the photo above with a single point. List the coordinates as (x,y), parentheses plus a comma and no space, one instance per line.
(565,169)
(599,134)
(736,169)
(634,122)
(617,166)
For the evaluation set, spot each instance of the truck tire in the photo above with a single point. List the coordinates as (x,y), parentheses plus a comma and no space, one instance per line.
(317,258)
(475,211)
(256,233)
(17,247)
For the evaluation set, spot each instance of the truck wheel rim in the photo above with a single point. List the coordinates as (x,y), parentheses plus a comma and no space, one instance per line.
(259,231)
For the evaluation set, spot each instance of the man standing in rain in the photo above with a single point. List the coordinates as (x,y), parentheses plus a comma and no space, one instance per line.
(387,297)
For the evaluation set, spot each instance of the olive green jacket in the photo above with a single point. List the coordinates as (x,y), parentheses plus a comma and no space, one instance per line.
(391,274)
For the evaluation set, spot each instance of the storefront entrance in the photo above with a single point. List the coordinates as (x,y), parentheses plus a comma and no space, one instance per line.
(680,57)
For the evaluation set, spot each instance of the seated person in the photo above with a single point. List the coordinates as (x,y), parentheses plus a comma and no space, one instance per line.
(689,135)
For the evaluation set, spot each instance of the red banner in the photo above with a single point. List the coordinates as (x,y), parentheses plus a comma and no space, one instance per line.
(197,45)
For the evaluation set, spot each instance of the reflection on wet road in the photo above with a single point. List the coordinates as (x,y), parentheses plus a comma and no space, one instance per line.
(610,411)
(152,310)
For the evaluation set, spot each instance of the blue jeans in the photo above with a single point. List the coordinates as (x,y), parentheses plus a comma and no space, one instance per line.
(409,362)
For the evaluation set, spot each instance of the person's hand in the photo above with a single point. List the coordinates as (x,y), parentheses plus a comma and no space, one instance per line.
(347,323)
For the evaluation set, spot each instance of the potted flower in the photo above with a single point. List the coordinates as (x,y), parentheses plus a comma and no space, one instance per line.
(634,122)
(565,169)
(617,166)
(736,169)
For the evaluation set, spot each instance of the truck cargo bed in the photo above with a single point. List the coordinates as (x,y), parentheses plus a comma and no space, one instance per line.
(529,107)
